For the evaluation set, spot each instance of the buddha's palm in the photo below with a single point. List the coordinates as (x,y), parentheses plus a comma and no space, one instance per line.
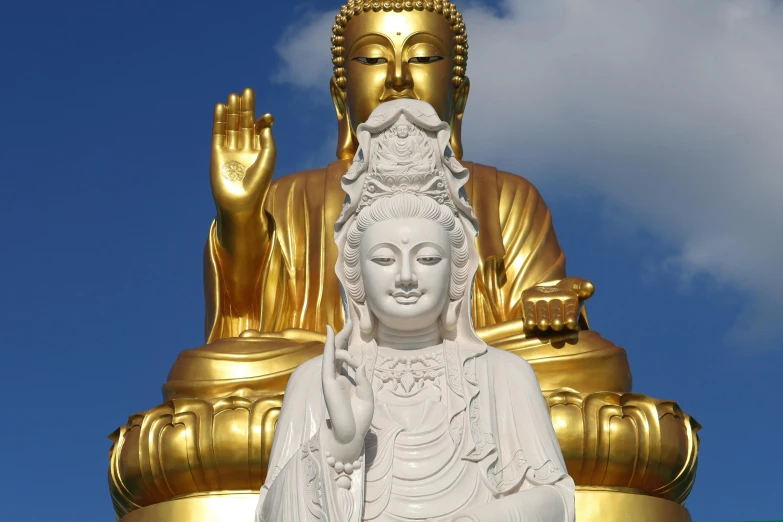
(555,306)
(243,158)
(350,403)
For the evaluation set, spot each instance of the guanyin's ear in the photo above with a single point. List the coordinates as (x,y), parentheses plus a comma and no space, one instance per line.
(366,318)
(450,316)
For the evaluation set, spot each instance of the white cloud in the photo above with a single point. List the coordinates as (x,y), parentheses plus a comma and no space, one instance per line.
(304,48)
(670,109)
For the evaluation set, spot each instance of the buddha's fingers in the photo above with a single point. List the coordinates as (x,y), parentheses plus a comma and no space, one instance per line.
(264,142)
(556,313)
(571,313)
(219,126)
(247,117)
(263,131)
(542,313)
(530,315)
(584,289)
(232,121)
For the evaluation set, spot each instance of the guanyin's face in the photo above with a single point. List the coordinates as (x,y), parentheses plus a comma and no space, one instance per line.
(406,271)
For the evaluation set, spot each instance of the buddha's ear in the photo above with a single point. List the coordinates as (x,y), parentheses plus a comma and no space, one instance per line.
(346,143)
(366,319)
(460,102)
(450,316)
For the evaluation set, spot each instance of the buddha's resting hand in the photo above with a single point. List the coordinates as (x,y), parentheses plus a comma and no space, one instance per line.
(555,305)
(350,403)
(243,161)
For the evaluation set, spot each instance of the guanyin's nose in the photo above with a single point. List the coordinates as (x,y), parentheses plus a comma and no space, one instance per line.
(406,276)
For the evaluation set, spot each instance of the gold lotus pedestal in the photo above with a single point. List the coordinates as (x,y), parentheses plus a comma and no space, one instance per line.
(202,455)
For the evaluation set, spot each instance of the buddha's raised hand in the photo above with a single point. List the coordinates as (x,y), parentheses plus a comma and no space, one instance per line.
(243,157)
(555,306)
(350,405)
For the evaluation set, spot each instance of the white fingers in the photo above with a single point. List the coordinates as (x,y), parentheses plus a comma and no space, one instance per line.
(347,358)
(363,386)
(345,335)
(327,368)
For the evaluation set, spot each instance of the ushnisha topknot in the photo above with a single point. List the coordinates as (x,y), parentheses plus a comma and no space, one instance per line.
(356,7)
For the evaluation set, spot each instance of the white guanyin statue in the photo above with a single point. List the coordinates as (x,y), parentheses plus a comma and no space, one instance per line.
(408,415)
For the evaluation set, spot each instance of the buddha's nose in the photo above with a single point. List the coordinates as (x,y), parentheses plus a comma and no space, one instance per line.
(399,76)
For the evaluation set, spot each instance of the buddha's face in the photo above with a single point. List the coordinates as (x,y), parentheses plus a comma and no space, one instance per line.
(398,55)
(402,131)
(406,271)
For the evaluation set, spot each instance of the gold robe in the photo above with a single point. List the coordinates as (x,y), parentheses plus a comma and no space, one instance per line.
(296,287)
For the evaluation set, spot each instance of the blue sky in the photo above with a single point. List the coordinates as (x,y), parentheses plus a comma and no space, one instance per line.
(104,150)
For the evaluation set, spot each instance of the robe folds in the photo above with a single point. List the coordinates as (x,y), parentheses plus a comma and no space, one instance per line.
(499,423)
(296,287)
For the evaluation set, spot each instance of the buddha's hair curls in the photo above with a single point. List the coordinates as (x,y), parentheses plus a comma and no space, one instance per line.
(442,7)
(406,206)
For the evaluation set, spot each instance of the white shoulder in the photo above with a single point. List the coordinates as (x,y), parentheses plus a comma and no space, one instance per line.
(512,368)
(508,361)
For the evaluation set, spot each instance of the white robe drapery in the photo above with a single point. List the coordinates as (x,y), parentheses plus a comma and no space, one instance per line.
(497,415)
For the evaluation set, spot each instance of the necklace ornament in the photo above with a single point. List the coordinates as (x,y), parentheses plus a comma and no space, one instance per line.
(408,375)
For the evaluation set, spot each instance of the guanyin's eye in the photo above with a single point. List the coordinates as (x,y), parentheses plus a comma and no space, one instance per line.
(429,260)
(370,61)
(383,261)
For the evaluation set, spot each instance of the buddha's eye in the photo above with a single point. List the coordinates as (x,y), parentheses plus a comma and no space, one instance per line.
(383,261)
(369,61)
(425,59)
(429,260)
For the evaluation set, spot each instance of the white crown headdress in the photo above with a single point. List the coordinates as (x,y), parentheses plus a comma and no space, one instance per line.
(402,159)
(404,147)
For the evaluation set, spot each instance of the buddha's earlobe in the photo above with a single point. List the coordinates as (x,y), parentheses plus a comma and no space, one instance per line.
(450,315)
(346,143)
(366,320)
(460,102)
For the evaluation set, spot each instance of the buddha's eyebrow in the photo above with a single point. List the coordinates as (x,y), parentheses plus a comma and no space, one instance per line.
(373,37)
(424,37)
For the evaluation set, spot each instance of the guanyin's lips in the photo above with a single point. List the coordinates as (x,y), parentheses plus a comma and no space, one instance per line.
(406,297)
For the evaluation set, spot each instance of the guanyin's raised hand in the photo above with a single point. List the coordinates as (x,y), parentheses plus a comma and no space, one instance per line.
(350,403)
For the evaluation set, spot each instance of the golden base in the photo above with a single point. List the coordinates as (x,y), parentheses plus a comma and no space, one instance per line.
(236,507)
(601,505)
(592,505)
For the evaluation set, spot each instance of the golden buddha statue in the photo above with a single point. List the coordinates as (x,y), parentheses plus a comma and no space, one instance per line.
(271,290)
